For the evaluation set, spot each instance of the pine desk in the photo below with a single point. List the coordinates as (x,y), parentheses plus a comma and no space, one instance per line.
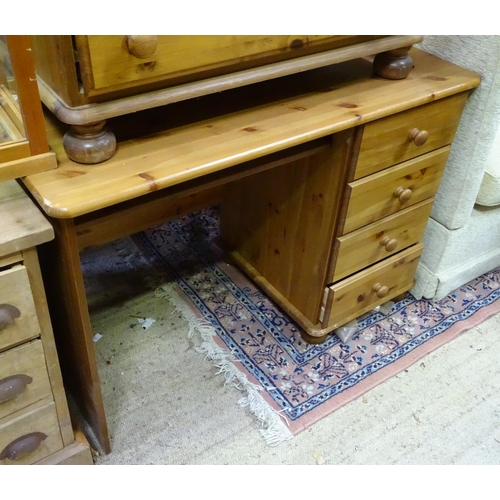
(333,139)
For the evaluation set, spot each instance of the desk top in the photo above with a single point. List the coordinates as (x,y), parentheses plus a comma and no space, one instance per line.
(209,134)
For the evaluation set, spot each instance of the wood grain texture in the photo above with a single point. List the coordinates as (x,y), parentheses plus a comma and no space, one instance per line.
(27,359)
(387,142)
(190,151)
(77,453)
(15,290)
(112,64)
(67,301)
(190,66)
(30,259)
(355,295)
(27,166)
(55,64)
(106,225)
(40,417)
(372,198)
(363,247)
(13,151)
(283,220)
(23,67)
(314,329)
(23,224)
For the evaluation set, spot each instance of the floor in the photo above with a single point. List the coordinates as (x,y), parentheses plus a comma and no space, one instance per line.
(167,405)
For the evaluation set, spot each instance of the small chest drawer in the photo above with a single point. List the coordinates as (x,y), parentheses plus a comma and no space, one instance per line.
(117,60)
(18,319)
(409,134)
(393,189)
(23,377)
(372,243)
(367,289)
(30,436)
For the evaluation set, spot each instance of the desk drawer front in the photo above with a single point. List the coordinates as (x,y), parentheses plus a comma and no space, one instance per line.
(387,141)
(36,431)
(18,320)
(372,243)
(23,377)
(394,189)
(367,289)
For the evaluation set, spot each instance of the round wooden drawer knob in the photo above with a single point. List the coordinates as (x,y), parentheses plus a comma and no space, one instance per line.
(390,244)
(418,137)
(380,290)
(403,195)
(141,46)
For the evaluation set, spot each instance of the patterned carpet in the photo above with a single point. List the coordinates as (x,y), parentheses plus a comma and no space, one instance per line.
(302,383)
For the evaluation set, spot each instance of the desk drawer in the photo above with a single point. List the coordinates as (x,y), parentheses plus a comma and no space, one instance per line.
(23,377)
(387,192)
(372,243)
(367,289)
(36,431)
(387,141)
(18,320)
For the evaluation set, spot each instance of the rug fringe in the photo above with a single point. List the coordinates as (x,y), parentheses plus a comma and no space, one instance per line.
(274,430)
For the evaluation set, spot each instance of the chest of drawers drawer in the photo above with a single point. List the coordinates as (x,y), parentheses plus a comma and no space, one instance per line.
(353,296)
(409,134)
(35,423)
(111,61)
(23,377)
(389,191)
(377,241)
(18,318)
(30,435)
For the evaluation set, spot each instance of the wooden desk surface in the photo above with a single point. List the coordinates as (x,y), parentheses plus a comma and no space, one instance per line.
(216,132)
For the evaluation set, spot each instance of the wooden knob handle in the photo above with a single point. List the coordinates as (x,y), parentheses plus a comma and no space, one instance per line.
(390,244)
(380,290)
(8,314)
(403,195)
(418,137)
(141,46)
(23,446)
(13,386)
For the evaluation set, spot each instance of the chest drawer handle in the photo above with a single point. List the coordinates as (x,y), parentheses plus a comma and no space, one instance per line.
(403,195)
(418,137)
(380,290)
(23,446)
(13,386)
(141,46)
(8,314)
(390,244)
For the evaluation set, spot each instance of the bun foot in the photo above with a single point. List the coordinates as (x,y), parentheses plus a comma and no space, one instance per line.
(310,339)
(394,65)
(89,144)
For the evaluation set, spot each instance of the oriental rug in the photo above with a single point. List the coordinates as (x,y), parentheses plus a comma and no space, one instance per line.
(286,383)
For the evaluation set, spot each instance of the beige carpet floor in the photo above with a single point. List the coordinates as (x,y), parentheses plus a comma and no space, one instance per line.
(165,404)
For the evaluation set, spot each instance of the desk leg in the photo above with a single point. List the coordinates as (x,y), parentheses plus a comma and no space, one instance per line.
(73,331)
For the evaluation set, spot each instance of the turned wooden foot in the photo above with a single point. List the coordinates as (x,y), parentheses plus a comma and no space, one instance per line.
(92,143)
(310,339)
(394,65)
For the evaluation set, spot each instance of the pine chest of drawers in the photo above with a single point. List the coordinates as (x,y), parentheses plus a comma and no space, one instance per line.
(35,424)
(87,79)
